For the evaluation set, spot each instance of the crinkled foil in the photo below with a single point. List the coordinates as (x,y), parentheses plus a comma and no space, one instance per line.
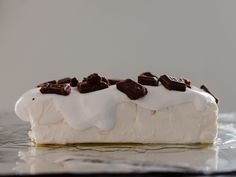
(19,156)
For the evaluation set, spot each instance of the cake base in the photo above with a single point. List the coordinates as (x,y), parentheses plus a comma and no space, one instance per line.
(180,124)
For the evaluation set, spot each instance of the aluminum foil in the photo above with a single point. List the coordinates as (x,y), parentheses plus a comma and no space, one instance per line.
(19,156)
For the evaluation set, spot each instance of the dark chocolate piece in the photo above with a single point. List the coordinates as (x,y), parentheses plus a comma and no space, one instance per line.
(93,79)
(172,83)
(148,78)
(85,87)
(64,80)
(92,83)
(74,82)
(114,81)
(60,89)
(46,83)
(203,87)
(132,89)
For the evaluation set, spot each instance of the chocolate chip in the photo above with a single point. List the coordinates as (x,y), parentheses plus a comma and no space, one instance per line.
(172,83)
(65,80)
(74,82)
(93,79)
(148,78)
(85,87)
(203,87)
(60,89)
(48,82)
(132,89)
(114,81)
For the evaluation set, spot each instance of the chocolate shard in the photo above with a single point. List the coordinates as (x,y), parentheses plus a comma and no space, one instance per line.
(65,80)
(60,89)
(93,79)
(46,83)
(148,78)
(172,83)
(74,82)
(92,83)
(114,81)
(203,87)
(187,82)
(85,87)
(132,89)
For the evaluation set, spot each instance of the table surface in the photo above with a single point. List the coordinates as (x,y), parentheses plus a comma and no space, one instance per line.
(19,156)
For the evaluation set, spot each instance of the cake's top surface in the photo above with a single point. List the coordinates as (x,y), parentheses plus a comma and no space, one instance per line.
(94,101)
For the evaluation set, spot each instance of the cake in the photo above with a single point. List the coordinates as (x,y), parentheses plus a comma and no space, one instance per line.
(154,109)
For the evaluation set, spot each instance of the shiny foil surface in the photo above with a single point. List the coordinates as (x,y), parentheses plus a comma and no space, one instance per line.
(19,156)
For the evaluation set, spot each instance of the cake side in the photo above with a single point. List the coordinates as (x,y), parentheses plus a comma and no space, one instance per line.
(135,124)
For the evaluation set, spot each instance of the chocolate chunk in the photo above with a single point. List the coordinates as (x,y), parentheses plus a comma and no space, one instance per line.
(148,78)
(172,83)
(85,87)
(46,83)
(64,80)
(93,79)
(132,89)
(74,82)
(203,87)
(60,89)
(187,82)
(92,83)
(114,81)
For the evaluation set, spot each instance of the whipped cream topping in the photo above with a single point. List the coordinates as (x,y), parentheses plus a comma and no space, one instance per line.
(98,109)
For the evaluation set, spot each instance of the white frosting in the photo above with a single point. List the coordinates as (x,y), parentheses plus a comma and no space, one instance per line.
(98,109)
